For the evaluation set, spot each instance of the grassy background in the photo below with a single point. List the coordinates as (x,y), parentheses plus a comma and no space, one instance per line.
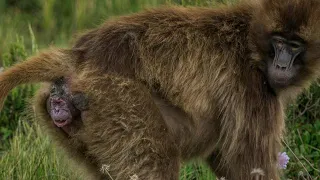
(29,25)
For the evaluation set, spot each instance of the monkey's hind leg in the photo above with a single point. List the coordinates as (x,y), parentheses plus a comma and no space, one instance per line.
(125,133)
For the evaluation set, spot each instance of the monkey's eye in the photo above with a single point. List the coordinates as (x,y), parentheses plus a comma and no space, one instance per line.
(53,89)
(295,45)
(278,41)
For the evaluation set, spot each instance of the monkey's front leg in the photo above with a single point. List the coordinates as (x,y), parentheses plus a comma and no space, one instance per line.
(125,133)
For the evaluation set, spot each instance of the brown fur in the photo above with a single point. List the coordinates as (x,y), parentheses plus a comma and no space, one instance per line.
(125,141)
(211,98)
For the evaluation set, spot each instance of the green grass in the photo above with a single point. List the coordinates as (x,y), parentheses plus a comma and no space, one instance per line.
(15,103)
(32,156)
(27,153)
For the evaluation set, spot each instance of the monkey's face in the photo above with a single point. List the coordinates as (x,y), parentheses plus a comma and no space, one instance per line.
(286,41)
(285,60)
(60,110)
(59,105)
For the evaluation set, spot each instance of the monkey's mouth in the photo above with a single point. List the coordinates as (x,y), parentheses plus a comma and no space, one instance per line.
(279,82)
(61,117)
(279,78)
(62,123)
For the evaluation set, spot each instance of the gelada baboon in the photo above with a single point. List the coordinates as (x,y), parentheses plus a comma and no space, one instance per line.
(65,107)
(173,84)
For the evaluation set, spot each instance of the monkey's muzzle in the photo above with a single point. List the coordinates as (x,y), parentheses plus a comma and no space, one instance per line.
(60,112)
(282,70)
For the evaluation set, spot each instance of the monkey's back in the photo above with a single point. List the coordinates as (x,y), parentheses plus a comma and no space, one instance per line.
(165,48)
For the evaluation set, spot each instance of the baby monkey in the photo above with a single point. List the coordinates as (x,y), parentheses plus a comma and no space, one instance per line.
(65,107)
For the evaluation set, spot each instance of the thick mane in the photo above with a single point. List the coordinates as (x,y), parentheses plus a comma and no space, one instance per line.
(299,16)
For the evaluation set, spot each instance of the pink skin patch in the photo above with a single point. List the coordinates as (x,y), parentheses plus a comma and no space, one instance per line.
(60,112)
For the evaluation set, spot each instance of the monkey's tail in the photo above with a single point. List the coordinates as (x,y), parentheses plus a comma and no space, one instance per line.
(47,66)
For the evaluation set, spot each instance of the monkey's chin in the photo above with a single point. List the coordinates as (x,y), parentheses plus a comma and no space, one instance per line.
(279,79)
(61,117)
(62,123)
(279,84)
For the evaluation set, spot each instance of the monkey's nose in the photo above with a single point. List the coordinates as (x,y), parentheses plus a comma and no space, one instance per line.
(280,67)
(58,102)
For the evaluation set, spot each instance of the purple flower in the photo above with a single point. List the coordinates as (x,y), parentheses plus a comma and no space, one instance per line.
(283,160)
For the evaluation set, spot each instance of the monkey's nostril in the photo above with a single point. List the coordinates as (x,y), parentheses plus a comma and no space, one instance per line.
(281,67)
(58,102)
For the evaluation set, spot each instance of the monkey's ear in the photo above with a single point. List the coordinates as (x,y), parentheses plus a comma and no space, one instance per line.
(80,101)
